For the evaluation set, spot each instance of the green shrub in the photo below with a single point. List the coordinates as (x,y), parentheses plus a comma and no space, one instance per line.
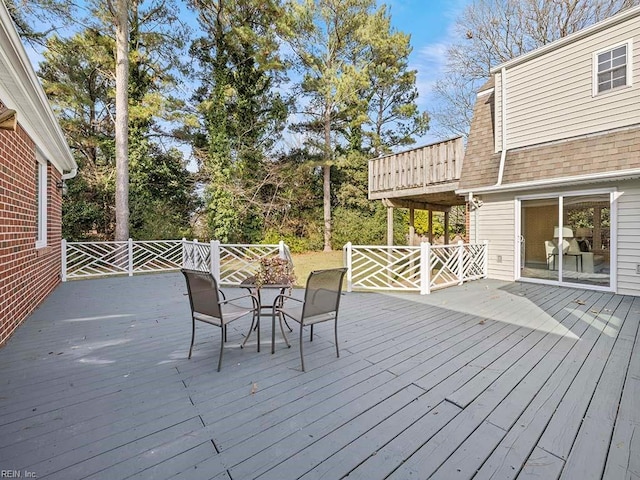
(297,244)
(362,228)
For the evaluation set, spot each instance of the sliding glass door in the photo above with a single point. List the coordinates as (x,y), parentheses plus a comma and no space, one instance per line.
(587,221)
(538,251)
(566,238)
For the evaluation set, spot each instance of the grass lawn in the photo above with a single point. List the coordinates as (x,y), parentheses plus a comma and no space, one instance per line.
(304,263)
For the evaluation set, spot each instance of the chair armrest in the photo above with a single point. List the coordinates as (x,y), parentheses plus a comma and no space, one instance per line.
(254,299)
(280,299)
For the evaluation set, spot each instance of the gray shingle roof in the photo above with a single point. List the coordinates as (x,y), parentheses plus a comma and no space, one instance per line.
(601,152)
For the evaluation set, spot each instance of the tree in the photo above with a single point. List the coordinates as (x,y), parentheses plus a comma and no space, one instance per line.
(358,94)
(78,75)
(241,113)
(119,9)
(328,38)
(119,19)
(393,115)
(491,32)
(149,52)
(162,198)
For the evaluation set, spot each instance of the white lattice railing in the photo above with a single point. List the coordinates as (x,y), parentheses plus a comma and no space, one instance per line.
(454,264)
(95,259)
(238,261)
(383,268)
(196,255)
(231,263)
(423,268)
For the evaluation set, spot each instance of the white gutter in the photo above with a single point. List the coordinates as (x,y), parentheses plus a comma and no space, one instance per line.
(70,174)
(503,153)
(554,182)
(20,90)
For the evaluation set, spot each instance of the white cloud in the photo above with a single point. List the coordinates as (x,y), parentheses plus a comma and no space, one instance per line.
(430,62)
(429,58)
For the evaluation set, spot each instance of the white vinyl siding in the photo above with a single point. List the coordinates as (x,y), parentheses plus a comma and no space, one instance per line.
(628,239)
(550,97)
(496,223)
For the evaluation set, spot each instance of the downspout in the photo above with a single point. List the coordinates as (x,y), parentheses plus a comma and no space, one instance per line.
(475,223)
(503,153)
(475,204)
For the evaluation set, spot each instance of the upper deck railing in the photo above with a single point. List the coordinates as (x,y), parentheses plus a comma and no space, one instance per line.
(416,171)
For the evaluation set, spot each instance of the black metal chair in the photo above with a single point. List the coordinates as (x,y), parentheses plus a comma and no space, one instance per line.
(207,305)
(321,303)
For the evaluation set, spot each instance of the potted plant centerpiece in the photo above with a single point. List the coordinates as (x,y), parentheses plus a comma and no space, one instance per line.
(274,271)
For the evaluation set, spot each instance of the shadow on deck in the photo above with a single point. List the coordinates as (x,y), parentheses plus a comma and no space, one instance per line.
(486,379)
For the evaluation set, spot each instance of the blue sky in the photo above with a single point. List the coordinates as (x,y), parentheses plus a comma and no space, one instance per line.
(430,24)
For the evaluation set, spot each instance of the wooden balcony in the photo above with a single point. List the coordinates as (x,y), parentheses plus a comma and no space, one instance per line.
(428,174)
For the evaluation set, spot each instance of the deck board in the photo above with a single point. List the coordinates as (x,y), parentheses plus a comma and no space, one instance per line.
(623,460)
(523,422)
(309,451)
(425,460)
(561,431)
(485,380)
(589,451)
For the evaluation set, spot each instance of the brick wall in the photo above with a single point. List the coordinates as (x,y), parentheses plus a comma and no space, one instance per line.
(27,274)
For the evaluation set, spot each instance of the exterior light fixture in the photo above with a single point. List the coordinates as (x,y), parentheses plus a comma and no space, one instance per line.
(62,186)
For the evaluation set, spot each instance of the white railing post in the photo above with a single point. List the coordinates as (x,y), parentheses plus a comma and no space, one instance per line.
(215,259)
(425,269)
(130,254)
(281,252)
(460,262)
(197,256)
(485,265)
(348,250)
(63,265)
(184,252)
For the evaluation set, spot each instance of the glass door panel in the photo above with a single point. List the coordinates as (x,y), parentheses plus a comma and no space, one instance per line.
(539,254)
(587,233)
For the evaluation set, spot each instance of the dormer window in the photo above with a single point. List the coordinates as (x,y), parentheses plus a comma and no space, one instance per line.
(612,68)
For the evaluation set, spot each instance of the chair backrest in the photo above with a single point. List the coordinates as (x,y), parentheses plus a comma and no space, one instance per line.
(550,247)
(322,294)
(573,248)
(203,292)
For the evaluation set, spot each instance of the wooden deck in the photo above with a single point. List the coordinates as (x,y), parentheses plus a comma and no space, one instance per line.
(487,380)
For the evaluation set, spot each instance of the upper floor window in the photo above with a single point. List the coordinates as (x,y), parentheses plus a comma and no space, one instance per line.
(612,68)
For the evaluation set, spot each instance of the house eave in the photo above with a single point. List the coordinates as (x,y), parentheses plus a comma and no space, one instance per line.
(20,90)
(555,182)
